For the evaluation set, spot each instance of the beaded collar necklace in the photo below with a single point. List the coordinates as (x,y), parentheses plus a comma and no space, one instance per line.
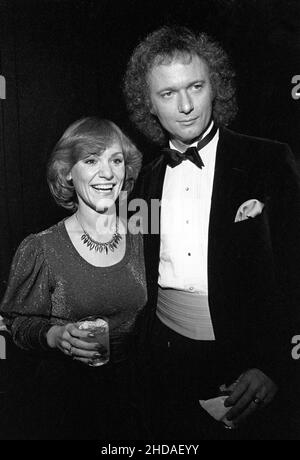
(98,246)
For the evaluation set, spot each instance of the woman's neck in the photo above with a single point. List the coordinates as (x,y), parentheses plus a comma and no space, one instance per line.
(96,223)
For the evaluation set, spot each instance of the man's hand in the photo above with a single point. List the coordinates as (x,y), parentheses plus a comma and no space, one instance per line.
(252,391)
(71,341)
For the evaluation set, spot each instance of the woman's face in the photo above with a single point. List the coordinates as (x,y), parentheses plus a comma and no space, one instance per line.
(98,178)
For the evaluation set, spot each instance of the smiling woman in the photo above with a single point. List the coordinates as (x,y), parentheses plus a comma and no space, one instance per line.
(69,272)
(83,141)
(98,178)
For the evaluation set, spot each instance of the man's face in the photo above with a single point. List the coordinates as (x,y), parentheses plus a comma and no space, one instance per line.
(181,98)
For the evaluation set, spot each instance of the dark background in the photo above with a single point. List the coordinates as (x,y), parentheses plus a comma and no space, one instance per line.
(65,59)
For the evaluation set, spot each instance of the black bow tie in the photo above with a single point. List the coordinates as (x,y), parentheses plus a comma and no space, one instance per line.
(174,157)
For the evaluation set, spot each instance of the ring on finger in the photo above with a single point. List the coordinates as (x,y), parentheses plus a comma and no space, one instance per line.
(257,401)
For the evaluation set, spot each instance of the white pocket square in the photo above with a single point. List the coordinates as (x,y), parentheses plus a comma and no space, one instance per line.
(250,208)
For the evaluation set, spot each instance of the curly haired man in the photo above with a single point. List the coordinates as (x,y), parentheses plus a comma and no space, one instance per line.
(223,273)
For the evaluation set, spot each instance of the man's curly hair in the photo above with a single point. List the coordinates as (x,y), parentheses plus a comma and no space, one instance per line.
(162,46)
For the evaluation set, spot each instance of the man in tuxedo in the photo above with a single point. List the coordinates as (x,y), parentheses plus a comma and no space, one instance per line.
(223,271)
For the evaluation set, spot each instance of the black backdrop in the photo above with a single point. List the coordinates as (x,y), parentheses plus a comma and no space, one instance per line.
(65,59)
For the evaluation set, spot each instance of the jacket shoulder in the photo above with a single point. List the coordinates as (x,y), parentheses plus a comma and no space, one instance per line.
(156,163)
(258,148)
(231,135)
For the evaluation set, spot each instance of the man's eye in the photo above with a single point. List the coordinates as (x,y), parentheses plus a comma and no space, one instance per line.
(197,86)
(167,94)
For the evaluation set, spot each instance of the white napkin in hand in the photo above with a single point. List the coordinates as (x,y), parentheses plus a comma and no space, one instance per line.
(215,407)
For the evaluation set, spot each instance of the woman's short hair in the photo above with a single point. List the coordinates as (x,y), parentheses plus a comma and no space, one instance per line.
(87,135)
(162,46)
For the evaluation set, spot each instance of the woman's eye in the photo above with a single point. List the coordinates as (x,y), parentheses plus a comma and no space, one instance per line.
(118,161)
(90,161)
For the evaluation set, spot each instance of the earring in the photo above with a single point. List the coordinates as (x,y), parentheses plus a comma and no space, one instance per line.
(69,179)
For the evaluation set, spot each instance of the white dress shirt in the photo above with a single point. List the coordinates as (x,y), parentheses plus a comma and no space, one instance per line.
(185,211)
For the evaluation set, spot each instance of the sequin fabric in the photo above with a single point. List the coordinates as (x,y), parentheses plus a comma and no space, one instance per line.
(50,283)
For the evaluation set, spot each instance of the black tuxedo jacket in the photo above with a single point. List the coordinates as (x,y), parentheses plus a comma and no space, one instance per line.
(253,265)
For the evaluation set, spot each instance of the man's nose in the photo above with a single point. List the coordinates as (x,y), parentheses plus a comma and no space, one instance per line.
(105,170)
(185,103)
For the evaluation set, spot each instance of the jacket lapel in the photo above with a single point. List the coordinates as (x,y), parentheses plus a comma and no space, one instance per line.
(152,191)
(230,183)
(156,175)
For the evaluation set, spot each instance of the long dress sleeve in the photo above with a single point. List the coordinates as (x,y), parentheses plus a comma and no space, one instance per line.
(26,306)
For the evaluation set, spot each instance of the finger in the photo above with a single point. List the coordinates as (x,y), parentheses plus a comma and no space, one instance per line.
(269,397)
(242,403)
(239,389)
(67,352)
(84,345)
(258,401)
(66,347)
(91,362)
(249,410)
(230,389)
(256,404)
(253,397)
(79,353)
(69,328)
(260,396)
(83,360)
(74,331)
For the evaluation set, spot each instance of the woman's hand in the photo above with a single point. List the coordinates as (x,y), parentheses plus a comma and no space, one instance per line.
(72,342)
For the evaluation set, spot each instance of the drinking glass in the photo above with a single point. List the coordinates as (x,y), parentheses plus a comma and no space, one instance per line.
(98,326)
